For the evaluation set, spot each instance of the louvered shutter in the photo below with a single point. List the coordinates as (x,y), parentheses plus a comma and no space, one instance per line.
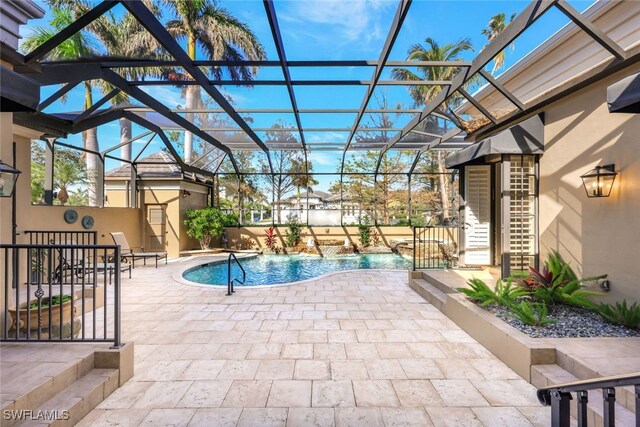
(477,215)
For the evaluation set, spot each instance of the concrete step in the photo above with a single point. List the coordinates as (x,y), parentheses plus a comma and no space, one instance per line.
(625,395)
(429,292)
(438,284)
(29,390)
(549,375)
(70,405)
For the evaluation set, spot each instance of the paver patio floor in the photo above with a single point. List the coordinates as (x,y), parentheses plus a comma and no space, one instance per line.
(350,349)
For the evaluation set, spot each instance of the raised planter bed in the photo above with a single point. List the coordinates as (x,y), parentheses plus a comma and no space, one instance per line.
(201,252)
(514,348)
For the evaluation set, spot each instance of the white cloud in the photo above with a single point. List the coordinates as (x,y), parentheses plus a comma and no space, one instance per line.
(338,22)
(323,159)
(328,136)
(171,97)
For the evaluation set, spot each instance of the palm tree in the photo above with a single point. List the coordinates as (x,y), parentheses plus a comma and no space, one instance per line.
(302,178)
(424,94)
(220,36)
(433,51)
(79,45)
(496,25)
(126,37)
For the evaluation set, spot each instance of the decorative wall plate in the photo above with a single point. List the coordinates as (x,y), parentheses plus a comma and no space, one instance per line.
(87,221)
(70,216)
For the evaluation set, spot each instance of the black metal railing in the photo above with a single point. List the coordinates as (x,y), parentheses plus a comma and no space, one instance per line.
(43,237)
(434,247)
(559,398)
(231,281)
(52,292)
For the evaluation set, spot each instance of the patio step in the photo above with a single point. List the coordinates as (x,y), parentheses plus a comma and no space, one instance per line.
(548,375)
(625,395)
(70,405)
(25,389)
(429,292)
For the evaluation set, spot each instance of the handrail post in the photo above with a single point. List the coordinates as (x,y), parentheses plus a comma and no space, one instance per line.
(229,284)
(116,298)
(414,248)
(560,411)
(608,410)
(583,399)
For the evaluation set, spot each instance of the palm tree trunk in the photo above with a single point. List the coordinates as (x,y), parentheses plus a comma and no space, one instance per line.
(125,134)
(90,139)
(190,103)
(444,193)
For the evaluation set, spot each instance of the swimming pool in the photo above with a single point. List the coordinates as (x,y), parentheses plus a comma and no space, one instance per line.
(278,269)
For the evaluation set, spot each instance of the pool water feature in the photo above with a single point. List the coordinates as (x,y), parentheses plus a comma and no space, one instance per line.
(279,269)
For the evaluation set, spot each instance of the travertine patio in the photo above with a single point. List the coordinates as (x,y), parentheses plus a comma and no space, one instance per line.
(355,348)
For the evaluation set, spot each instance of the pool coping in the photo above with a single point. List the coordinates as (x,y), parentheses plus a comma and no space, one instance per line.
(202,260)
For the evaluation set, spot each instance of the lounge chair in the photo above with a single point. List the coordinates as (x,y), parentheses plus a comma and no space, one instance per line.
(127,253)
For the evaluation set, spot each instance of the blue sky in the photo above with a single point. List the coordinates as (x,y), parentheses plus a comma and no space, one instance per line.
(334,30)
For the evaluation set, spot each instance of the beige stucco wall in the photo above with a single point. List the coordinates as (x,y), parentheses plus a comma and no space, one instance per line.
(387,234)
(106,220)
(599,235)
(171,194)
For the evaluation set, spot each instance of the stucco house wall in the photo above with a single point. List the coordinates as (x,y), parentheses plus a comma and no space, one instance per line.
(598,235)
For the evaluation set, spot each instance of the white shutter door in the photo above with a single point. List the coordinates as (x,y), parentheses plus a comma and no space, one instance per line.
(477,214)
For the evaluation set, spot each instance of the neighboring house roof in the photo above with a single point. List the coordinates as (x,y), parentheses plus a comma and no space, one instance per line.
(166,169)
(322,195)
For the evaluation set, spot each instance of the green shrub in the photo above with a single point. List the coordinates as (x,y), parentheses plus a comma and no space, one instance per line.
(504,293)
(54,300)
(204,224)
(620,313)
(531,313)
(558,283)
(294,231)
(364,231)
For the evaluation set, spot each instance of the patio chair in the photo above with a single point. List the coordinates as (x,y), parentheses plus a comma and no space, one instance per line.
(127,253)
(66,260)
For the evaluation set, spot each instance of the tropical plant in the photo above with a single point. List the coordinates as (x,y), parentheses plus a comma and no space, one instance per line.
(504,293)
(204,224)
(496,25)
(294,231)
(531,313)
(479,292)
(621,313)
(558,283)
(270,238)
(364,230)
(375,238)
(221,36)
(422,94)
(54,300)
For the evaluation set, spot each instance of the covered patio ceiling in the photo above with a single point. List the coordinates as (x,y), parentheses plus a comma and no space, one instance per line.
(433,127)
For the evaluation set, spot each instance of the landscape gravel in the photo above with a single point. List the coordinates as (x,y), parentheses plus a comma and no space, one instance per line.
(570,322)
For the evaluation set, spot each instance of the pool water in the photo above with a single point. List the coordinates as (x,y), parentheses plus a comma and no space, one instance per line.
(278,269)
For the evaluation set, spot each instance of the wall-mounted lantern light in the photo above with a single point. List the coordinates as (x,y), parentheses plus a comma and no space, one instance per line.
(599,181)
(8,178)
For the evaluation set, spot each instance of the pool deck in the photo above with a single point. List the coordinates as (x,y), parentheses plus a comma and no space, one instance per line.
(352,348)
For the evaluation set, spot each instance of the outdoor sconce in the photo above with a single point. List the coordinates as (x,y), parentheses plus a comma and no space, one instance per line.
(599,181)
(8,178)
